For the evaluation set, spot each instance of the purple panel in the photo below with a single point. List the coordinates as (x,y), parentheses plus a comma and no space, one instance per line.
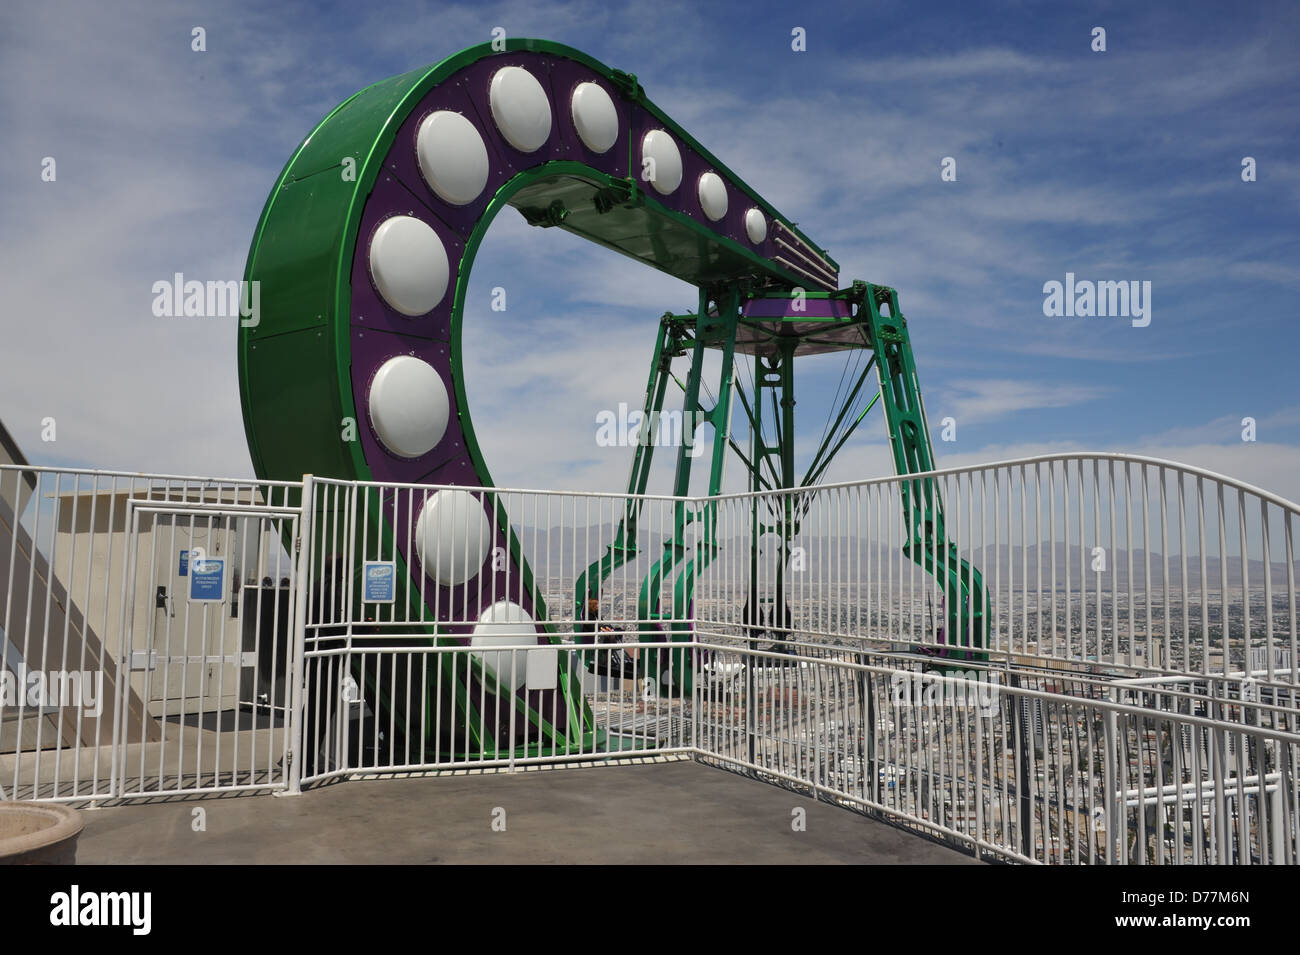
(477,80)
(730,225)
(370,349)
(403,160)
(641,123)
(464,601)
(783,308)
(468,94)
(565,77)
(685,198)
(369,310)
(401,508)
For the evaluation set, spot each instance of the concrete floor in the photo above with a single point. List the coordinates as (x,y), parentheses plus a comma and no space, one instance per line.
(675,813)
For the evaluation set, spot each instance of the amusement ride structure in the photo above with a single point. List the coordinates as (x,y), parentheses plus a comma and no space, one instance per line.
(1077,657)
(364,253)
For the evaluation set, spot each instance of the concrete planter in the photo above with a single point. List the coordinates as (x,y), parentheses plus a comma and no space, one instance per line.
(38,834)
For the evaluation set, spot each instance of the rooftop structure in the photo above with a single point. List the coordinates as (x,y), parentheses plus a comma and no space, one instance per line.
(1074,658)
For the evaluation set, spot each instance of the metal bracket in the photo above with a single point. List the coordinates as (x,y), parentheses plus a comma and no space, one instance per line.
(552,215)
(628,83)
(622,192)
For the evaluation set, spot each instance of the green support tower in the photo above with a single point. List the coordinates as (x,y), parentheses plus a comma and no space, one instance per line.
(354,370)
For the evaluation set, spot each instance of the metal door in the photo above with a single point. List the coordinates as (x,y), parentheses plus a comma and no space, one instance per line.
(207,642)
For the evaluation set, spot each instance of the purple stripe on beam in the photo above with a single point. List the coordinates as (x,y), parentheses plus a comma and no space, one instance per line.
(784,308)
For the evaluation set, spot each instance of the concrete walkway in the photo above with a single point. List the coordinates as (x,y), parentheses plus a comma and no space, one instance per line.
(673,813)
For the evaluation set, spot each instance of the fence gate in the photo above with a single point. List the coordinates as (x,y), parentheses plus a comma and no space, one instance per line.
(207,647)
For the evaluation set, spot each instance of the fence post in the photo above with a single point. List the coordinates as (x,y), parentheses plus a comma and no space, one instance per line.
(752,703)
(697,705)
(979,787)
(817,726)
(514,662)
(1276,810)
(871,770)
(303,549)
(1023,742)
(1110,781)
(126,626)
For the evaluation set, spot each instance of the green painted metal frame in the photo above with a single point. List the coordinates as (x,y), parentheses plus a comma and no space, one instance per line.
(714,326)
(885,334)
(966,598)
(363,128)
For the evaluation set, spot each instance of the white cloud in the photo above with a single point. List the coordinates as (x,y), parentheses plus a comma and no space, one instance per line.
(977,401)
(165,157)
(962,64)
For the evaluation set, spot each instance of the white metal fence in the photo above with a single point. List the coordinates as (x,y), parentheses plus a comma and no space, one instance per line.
(504,662)
(1134,699)
(113,681)
(1115,563)
(1024,766)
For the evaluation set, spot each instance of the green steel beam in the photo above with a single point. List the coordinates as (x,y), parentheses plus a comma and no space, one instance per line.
(812,478)
(831,431)
(965,595)
(711,331)
(623,549)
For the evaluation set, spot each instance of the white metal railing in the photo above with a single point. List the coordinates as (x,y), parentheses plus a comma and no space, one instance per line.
(384,709)
(559,534)
(1104,560)
(76,596)
(1030,767)
(1135,698)
(382,694)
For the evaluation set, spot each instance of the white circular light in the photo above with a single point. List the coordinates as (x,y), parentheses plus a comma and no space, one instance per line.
(452,536)
(452,156)
(409,265)
(713,195)
(595,117)
(755,225)
(408,406)
(520,108)
(505,623)
(665,172)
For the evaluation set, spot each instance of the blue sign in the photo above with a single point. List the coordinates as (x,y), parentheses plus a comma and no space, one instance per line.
(185,564)
(380,582)
(208,578)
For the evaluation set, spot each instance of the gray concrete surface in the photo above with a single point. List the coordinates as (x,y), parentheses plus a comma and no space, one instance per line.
(675,813)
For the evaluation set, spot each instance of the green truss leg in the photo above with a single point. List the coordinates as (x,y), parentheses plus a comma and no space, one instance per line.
(965,595)
(773,374)
(668,345)
(674,675)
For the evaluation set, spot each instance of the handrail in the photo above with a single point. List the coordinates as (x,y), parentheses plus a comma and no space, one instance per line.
(146,475)
(1020,462)
(1121,456)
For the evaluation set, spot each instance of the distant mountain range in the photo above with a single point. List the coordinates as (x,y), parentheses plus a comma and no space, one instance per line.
(567,551)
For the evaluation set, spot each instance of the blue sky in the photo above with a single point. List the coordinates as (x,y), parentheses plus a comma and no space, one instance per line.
(1122,165)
